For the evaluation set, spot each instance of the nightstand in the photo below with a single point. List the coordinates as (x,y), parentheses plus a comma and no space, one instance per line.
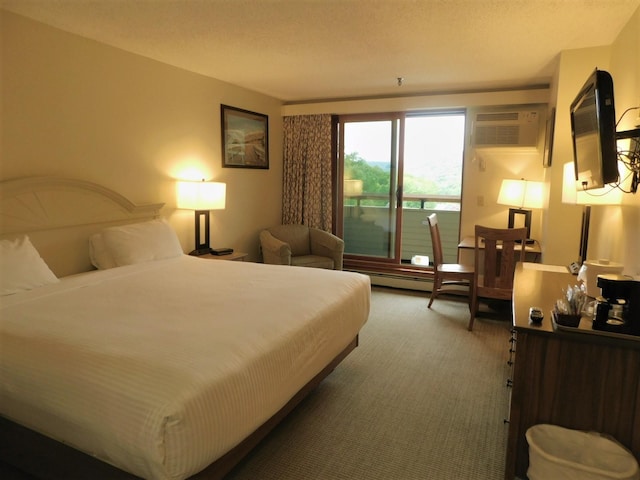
(235,256)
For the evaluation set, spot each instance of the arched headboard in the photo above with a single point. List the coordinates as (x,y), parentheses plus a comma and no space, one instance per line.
(59,215)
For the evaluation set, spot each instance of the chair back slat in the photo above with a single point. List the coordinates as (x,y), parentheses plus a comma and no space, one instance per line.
(491,274)
(435,240)
(503,247)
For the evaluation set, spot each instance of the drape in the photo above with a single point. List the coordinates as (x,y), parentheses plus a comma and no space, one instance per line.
(307,196)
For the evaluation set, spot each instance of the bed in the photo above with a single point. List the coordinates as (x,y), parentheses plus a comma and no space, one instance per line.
(161,366)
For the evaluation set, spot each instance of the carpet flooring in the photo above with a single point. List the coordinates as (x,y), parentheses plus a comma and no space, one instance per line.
(420,398)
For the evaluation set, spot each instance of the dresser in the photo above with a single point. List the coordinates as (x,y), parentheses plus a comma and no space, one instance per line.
(577,379)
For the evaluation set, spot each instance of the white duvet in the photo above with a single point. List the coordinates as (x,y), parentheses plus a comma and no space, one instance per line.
(160,368)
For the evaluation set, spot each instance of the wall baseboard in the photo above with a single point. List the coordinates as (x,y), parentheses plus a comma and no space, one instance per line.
(397,281)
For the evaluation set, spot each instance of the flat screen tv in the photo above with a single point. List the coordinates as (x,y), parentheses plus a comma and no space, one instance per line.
(593,130)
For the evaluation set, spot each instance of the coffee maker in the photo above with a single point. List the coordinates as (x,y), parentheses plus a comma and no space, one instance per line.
(618,307)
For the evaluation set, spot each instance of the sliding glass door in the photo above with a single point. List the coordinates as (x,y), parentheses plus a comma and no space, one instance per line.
(394,170)
(370,188)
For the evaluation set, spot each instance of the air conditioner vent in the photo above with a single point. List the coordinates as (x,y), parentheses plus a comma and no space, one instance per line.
(497,117)
(506,129)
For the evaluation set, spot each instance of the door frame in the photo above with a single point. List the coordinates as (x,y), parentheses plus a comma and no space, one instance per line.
(377,264)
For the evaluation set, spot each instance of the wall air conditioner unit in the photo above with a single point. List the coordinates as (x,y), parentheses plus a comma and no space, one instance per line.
(506,129)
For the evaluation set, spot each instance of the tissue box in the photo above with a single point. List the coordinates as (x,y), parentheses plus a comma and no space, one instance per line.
(420,260)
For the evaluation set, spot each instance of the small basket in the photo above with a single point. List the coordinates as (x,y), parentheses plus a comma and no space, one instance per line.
(566,320)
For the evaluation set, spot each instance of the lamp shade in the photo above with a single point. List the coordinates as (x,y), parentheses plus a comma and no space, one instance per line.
(201,195)
(521,193)
(353,188)
(573,193)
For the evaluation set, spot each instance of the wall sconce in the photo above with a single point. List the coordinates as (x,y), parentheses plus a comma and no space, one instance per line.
(201,197)
(524,195)
(572,193)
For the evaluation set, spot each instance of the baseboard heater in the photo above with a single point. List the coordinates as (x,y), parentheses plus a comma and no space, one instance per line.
(406,282)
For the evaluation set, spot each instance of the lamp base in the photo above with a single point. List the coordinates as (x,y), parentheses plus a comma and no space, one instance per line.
(202,223)
(200,251)
(527,218)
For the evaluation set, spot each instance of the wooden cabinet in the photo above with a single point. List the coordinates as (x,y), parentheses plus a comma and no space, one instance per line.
(580,379)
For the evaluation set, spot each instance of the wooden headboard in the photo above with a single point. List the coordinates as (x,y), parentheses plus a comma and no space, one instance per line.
(60,214)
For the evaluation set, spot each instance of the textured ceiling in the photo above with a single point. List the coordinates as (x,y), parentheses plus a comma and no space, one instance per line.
(299,50)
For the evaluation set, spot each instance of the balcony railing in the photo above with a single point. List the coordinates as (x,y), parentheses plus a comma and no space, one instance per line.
(416,239)
(423,199)
(366,232)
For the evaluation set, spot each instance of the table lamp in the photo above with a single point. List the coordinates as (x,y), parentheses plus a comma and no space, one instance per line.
(352,188)
(573,193)
(201,197)
(524,195)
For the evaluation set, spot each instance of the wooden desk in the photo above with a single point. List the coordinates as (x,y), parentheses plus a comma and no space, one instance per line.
(470,243)
(579,380)
(532,252)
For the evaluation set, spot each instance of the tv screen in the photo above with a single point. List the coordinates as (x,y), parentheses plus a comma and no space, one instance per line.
(593,130)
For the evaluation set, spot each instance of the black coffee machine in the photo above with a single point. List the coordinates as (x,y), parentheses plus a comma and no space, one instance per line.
(618,308)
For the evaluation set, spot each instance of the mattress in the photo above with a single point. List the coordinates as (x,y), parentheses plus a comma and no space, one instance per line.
(160,368)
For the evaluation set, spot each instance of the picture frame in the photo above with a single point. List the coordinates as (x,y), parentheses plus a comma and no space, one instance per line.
(245,138)
(548,139)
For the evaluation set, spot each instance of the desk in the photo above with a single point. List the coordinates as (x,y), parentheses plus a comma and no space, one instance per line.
(470,243)
(578,380)
(532,251)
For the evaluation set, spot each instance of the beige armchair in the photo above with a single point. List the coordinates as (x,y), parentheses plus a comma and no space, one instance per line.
(301,246)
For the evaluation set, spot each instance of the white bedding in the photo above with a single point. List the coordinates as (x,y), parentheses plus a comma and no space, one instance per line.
(160,368)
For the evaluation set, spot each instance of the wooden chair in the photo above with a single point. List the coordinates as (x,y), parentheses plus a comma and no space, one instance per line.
(447,274)
(494,278)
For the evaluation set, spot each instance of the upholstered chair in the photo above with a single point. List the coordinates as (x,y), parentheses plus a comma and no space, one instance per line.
(302,246)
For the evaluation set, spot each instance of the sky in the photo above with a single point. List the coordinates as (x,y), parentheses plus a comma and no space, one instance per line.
(433,144)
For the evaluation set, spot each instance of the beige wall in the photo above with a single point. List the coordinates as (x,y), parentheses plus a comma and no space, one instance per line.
(625,68)
(562,222)
(77,108)
(615,230)
(74,107)
(484,169)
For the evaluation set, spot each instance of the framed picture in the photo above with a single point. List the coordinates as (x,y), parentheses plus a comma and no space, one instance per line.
(245,138)
(548,139)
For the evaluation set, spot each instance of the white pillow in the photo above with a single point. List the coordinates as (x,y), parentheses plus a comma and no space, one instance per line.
(141,242)
(21,267)
(98,253)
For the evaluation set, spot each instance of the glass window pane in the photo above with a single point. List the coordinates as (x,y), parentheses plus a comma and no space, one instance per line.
(369,190)
(433,150)
(433,159)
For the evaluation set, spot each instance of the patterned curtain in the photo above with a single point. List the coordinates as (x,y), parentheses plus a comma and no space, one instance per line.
(307,196)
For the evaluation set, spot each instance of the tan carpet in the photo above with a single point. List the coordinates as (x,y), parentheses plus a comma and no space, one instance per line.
(420,398)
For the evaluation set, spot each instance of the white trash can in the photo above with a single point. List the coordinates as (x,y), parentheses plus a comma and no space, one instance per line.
(562,454)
